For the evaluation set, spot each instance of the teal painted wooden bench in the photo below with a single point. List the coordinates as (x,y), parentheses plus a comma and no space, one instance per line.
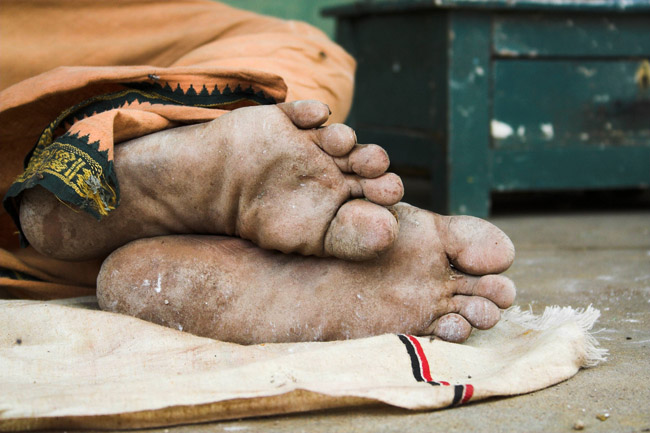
(497,96)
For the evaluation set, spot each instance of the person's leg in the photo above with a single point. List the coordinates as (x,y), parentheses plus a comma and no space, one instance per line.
(437,279)
(201,35)
(267,174)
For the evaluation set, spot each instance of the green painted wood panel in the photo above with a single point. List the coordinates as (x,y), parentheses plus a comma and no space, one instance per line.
(401,79)
(611,6)
(401,91)
(559,103)
(468,108)
(579,168)
(571,35)
(489,6)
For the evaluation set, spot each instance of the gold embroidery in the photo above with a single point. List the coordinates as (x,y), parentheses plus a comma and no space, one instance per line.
(77,170)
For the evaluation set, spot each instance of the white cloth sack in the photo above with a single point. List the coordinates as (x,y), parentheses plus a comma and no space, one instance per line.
(72,366)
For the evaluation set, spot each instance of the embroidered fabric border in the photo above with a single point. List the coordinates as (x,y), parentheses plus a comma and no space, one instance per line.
(75,170)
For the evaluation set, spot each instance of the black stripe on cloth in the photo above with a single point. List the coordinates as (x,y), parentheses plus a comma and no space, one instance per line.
(415,362)
(458,394)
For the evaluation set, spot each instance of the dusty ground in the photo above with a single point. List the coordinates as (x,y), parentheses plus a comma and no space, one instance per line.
(572,258)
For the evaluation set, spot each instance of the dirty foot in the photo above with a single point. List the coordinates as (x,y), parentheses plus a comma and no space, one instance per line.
(438,279)
(270,174)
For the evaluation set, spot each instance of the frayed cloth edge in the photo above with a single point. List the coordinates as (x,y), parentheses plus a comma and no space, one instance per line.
(556,316)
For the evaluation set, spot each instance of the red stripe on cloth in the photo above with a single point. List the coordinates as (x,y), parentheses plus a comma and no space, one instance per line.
(424,364)
(443,383)
(469,392)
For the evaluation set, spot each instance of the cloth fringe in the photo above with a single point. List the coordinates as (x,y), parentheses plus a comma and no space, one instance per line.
(556,316)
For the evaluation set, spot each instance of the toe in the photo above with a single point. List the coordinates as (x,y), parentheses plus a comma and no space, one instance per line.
(366,160)
(479,312)
(337,139)
(496,288)
(360,231)
(385,190)
(452,327)
(475,246)
(306,114)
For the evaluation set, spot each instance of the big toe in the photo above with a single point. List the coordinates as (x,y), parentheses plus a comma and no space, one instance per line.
(475,246)
(306,114)
(361,230)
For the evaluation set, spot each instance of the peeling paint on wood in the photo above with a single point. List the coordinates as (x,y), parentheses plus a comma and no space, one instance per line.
(537,34)
(501,130)
(563,102)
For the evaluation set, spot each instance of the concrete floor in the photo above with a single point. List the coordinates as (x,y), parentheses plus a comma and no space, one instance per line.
(576,258)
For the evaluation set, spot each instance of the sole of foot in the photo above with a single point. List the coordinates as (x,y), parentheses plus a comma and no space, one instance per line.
(440,279)
(270,174)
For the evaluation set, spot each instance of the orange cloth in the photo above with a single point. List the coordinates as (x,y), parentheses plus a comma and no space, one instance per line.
(58,58)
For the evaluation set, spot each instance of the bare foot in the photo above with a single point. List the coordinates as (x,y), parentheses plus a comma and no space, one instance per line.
(268,174)
(436,280)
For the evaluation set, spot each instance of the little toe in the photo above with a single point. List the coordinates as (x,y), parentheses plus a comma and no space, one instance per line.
(366,160)
(337,139)
(360,231)
(496,288)
(475,246)
(452,327)
(479,312)
(385,190)
(306,114)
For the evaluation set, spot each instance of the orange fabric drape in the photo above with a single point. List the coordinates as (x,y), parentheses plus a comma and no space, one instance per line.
(55,55)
